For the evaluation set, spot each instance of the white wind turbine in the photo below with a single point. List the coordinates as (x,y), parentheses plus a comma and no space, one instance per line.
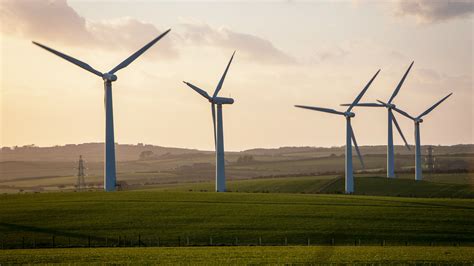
(219,135)
(417,120)
(391,120)
(349,179)
(108,77)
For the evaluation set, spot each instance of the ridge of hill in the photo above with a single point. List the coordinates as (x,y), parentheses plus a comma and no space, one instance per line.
(94,152)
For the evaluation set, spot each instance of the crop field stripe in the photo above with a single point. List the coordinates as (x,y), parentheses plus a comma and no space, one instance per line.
(243,255)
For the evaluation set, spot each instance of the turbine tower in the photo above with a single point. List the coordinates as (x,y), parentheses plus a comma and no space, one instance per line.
(219,131)
(349,180)
(391,120)
(108,77)
(417,120)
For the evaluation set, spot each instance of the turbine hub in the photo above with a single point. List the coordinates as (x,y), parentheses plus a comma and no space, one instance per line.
(109,77)
(349,114)
(222,100)
(419,120)
(391,105)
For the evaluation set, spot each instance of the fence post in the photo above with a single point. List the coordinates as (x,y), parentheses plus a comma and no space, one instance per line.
(406,243)
(383,242)
(260,241)
(89,241)
(69,241)
(23,242)
(118,242)
(332,241)
(358,242)
(158,242)
(187,240)
(210,241)
(236,241)
(53,241)
(139,241)
(179,241)
(34,243)
(309,241)
(106,241)
(286,241)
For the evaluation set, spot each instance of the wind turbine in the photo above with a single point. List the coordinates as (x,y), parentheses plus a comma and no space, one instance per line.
(391,117)
(349,182)
(219,135)
(108,77)
(417,120)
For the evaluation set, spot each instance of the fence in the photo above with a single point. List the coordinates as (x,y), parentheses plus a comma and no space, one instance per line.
(180,241)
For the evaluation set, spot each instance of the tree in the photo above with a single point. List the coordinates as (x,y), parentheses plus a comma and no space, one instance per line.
(245,159)
(145,155)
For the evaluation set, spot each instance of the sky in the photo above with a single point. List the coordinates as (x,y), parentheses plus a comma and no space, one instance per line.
(318,53)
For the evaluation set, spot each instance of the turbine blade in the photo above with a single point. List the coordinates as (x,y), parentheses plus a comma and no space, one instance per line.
(326,110)
(382,103)
(403,113)
(398,110)
(75,61)
(356,101)
(221,82)
(400,131)
(198,90)
(395,92)
(357,148)
(214,123)
(134,56)
(364,104)
(434,106)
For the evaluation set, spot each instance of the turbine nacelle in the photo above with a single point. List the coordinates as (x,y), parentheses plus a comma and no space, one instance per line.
(418,120)
(221,100)
(390,105)
(349,114)
(109,77)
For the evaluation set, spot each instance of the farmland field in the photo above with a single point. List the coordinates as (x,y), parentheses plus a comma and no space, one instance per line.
(242,255)
(441,185)
(119,218)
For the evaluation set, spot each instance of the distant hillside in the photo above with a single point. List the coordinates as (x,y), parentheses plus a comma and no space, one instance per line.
(378,149)
(94,152)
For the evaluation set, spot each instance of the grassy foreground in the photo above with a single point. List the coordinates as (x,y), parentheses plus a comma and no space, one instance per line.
(440,186)
(175,216)
(242,255)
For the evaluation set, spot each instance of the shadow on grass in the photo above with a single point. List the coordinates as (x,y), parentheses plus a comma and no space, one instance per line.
(48,231)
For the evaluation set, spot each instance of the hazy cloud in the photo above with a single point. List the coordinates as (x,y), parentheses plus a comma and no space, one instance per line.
(57,22)
(434,10)
(331,53)
(249,46)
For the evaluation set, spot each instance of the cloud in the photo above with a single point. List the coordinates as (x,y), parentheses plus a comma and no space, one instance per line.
(331,53)
(55,21)
(249,46)
(429,11)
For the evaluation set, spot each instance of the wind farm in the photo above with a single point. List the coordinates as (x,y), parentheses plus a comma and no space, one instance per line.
(163,187)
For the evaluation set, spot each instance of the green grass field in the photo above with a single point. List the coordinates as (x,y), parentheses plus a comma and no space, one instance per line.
(242,255)
(441,186)
(226,216)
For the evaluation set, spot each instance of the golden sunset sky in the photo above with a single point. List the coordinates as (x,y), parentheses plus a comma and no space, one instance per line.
(319,53)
